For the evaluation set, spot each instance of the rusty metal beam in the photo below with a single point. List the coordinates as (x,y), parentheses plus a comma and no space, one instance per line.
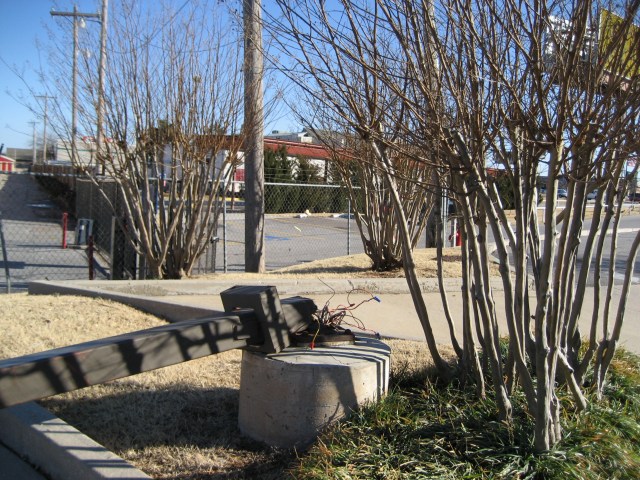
(40,375)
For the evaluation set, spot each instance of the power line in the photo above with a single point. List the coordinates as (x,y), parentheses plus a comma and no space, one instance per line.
(75,15)
(147,40)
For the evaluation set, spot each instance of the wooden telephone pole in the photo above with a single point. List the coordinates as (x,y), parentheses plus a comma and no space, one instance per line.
(254,256)
(76,17)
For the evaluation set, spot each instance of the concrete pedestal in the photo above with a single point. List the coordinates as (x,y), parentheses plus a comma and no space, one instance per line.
(287,398)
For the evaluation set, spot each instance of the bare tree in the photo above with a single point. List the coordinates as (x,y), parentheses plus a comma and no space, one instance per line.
(342,52)
(173,111)
(546,101)
(354,163)
(334,104)
(372,204)
(522,88)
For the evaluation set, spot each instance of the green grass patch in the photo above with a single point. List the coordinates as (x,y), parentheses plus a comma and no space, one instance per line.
(424,429)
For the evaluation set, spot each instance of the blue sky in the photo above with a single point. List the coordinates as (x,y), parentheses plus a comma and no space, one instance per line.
(24,23)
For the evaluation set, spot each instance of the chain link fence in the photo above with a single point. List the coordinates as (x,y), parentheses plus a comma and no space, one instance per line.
(38,235)
(52,223)
(57,225)
(303,222)
(99,205)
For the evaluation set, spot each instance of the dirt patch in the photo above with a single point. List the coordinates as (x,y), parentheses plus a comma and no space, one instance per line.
(360,266)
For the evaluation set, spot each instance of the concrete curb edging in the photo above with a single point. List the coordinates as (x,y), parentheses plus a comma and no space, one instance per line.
(159,297)
(152,291)
(162,297)
(149,304)
(13,466)
(58,449)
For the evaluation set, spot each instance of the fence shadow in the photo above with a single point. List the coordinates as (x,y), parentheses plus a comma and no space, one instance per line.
(132,420)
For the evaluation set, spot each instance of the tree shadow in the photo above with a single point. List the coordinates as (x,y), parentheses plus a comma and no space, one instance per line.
(137,421)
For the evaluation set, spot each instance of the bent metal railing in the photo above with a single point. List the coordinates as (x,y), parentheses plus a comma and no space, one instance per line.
(255,318)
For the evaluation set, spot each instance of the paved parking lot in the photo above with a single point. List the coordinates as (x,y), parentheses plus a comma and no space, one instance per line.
(292,240)
(32,230)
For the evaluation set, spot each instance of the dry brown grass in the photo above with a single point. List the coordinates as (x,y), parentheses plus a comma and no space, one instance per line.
(35,323)
(178,422)
(359,266)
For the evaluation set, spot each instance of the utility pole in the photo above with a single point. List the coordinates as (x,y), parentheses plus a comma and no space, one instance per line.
(75,15)
(254,254)
(44,130)
(101,81)
(33,124)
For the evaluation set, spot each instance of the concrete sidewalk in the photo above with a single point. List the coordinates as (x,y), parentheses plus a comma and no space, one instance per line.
(393,316)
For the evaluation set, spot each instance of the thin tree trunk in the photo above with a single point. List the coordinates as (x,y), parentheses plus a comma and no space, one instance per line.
(408,263)
(443,293)
(604,360)
(470,357)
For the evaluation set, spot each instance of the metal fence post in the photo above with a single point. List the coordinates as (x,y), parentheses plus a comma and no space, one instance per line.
(349,226)
(444,214)
(224,232)
(90,249)
(65,221)
(7,274)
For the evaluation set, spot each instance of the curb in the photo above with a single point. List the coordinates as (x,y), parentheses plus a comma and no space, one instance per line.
(153,290)
(162,297)
(57,449)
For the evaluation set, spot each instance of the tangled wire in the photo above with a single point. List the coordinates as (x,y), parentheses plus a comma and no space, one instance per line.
(342,316)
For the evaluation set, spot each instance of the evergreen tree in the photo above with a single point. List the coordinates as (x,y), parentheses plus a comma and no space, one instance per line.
(307,172)
(277,166)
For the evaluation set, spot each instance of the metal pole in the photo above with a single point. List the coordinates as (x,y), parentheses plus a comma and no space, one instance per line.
(453,232)
(349,227)
(44,133)
(90,250)
(74,15)
(101,81)
(65,222)
(74,90)
(7,274)
(224,234)
(444,213)
(33,124)
(44,130)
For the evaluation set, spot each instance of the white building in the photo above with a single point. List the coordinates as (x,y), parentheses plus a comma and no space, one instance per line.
(86,147)
(301,137)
